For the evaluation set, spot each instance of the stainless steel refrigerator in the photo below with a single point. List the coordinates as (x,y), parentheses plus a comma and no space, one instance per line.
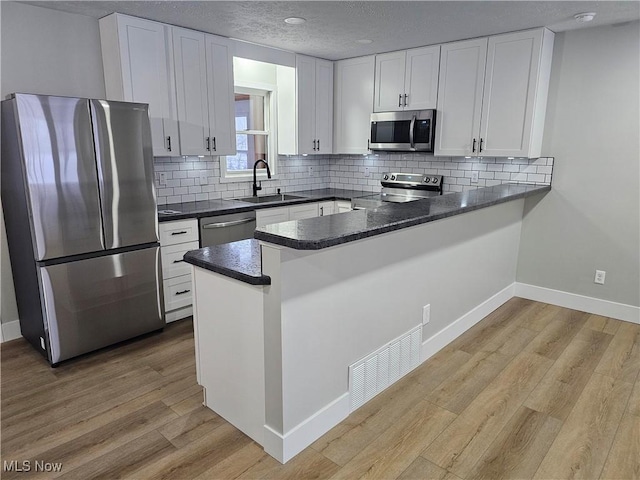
(80,211)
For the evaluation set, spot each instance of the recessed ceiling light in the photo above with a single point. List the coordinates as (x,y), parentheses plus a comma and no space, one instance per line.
(584,17)
(295,20)
(364,41)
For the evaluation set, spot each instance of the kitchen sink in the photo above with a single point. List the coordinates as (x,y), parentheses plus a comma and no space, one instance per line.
(268,198)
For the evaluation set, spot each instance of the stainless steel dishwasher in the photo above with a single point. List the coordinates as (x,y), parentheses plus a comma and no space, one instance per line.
(226,228)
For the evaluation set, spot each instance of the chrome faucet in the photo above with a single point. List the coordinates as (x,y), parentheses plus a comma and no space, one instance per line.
(257,187)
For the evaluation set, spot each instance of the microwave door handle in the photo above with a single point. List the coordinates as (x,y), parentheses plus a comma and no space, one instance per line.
(411,127)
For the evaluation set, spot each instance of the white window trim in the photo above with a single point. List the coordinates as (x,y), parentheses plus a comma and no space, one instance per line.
(247,175)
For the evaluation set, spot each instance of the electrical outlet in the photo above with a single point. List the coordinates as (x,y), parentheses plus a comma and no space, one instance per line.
(162,177)
(366,171)
(426,314)
(474,177)
(311,171)
(203,179)
(600,274)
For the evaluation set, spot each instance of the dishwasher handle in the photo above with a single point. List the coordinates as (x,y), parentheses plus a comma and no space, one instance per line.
(228,224)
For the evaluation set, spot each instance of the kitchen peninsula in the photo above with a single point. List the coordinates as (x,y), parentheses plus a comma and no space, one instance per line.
(301,326)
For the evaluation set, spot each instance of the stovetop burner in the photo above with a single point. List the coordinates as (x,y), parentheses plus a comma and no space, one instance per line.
(401,188)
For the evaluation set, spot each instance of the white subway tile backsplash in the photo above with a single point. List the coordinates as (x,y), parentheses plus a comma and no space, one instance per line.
(343,171)
(535,178)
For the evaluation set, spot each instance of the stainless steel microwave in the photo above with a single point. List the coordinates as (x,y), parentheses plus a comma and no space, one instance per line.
(408,131)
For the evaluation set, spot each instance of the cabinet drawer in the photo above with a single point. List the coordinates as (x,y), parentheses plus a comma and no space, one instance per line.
(300,212)
(172,263)
(180,231)
(177,292)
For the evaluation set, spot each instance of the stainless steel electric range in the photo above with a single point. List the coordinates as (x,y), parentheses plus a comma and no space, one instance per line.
(401,188)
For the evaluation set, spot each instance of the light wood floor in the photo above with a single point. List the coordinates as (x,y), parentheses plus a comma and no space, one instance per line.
(533,391)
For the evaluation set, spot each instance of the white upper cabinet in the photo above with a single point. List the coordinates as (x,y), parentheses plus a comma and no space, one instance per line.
(460,97)
(407,80)
(204,84)
(314,93)
(516,85)
(138,67)
(221,96)
(492,95)
(353,82)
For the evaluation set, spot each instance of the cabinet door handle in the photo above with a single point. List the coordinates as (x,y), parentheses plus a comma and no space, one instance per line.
(473,148)
(480,150)
(400,100)
(179,233)
(178,261)
(322,211)
(405,99)
(182,292)
(169,143)
(314,145)
(215,148)
(368,144)
(207,142)
(318,144)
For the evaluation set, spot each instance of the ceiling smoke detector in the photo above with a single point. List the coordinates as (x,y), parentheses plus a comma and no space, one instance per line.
(295,20)
(584,17)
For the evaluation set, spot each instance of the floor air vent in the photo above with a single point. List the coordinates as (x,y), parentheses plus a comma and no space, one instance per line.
(372,374)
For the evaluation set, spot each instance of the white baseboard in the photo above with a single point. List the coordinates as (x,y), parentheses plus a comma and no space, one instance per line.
(11,331)
(284,447)
(597,306)
(441,339)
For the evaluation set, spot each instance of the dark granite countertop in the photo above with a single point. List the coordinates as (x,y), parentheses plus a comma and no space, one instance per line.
(240,260)
(331,230)
(206,208)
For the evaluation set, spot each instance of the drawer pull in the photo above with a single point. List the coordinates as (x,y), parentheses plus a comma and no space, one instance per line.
(178,261)
(182,292)
(179,233)
(228,224)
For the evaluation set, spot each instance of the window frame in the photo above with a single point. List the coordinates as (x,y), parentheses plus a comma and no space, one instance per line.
(271,114)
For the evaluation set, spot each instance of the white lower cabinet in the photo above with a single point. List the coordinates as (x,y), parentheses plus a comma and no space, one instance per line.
(326,208)
(343,206)
(299,212)
(271,215)
(177,238)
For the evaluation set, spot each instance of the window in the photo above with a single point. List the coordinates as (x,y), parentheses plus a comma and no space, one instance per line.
(254,139)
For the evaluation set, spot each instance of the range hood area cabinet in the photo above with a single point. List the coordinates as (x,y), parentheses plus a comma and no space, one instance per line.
(185,76)
(407,80)
(314,112)
(492,95)
(138,67)
(353,104)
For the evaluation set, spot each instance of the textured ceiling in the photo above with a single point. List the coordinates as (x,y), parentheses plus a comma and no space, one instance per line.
(333,27)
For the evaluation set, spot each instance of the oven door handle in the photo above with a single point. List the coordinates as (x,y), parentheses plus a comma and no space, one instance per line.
(412,125)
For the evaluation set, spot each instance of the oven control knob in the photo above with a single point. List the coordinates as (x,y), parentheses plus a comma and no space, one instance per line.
(427,179)
(393,177)
(434,179)
(386,177)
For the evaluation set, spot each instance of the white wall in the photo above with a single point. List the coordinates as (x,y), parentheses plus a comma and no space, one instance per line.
(378,287)
(591,218)
(49,52)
